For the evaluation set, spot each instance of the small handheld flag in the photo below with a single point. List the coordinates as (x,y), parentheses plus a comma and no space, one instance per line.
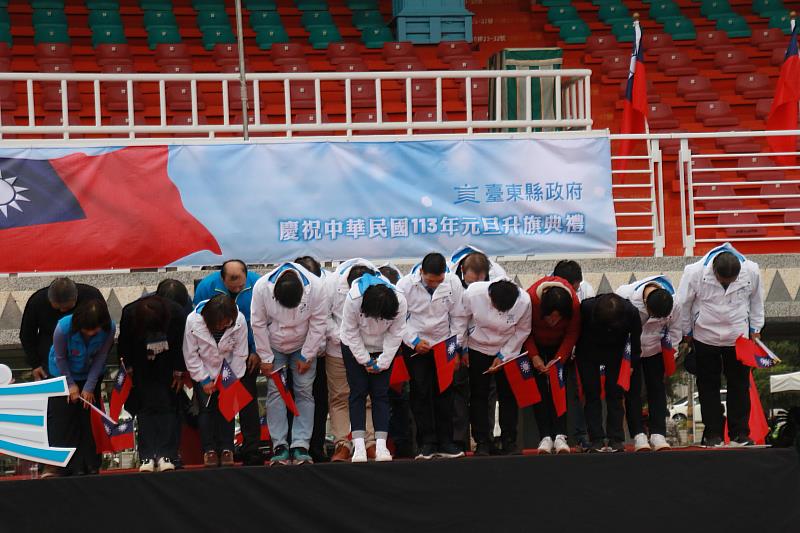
(754,353)
(445,356)
(120,392)
(233,396)
(521,378)
(558,387)
(668,353)
(109,436)
(624,379)
(399,373)
(279,378)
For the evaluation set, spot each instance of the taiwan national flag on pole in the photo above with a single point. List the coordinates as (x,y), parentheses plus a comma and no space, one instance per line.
(445,355)
(558,387)
(264,434)
(754,353)
(624,379)
(634,106)
(602,382)
(279,378)
(668,353)
(783,114)
(233,396)
(120,392)
(520,376)
(759,428)
(109,436)
(119,209)
(399,373)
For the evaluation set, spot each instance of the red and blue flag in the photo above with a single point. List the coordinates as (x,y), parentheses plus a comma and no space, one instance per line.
(668,353)
(233,395)
(120,392)
(754,353)
(783,113)
(445,356)
(634,105)
(558,387)
(520,376)
(279,378)
(625,369)
(399,373)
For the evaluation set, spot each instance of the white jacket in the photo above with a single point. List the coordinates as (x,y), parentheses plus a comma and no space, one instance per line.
(278,328)
(653,329)
(204,356)
(492,332)
(585,290)
(365,335)
(716,316)
(495,271)
(433,317)
(336,289)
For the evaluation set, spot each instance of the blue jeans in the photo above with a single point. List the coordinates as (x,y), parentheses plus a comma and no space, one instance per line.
(303,392)
(362,383)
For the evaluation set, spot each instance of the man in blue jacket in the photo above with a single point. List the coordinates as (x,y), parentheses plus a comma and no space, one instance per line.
(234,280)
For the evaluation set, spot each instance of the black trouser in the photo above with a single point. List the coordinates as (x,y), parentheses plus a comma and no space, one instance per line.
(711,361)
(549,424)
(249,419)
(320,393)
(216,433)
(433,411)
(70,426)
(400,420)
(158,418)
(461,392)
(479,400)
(575,404)
(593,408)
(651,370)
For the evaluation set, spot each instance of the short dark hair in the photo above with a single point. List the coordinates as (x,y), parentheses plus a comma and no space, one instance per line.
(476,262)
(556,299)
(220,307)
(503,294)
(569,270)
(90,315)
(310,264)
(609,312)
(356,272)
(434,264)
(727,265)
(659,303)
(289,289)
(62,291)
(380,302)
(223,272)
(174,290)
(151,314)
(390,274)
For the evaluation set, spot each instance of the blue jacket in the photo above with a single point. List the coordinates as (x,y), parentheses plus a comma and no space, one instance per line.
(212,285)
(83,358)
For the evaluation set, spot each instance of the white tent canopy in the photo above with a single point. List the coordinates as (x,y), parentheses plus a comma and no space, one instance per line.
(785,382)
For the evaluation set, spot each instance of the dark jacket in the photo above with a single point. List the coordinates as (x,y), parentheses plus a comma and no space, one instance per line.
(602,345)
(39,322)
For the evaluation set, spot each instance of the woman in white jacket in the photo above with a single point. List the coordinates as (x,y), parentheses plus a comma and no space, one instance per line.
(372,329)
(215,332)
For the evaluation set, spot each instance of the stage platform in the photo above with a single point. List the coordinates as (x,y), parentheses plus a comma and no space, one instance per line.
(682,491)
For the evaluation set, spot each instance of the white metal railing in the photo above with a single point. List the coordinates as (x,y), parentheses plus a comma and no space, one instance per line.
(290,92)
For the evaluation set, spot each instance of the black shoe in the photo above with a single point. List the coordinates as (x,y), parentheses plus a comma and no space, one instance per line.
(253,459)
(597,447)
(615,446)
(511,448)
(449,450)
(713,442)
(740,442)
(318,456)
(483,449)
(403,450)
(583,445)
(428,451)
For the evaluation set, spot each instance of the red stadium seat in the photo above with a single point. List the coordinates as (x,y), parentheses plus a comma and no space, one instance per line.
(5,50)
(107,53)
(748,221)
(286,53)
(777,189)
(411,64)
(362,93)
(733,61)
(754,86)
(343,52)
(352,65)
(763,107)
(653,97)
(721,191)
(715,114)
(57,52)
(696,89)
(657,43)
(602,45)
(309,117)
(368,117)
(302,94)
(8,97)
(179,98)
(294,65)
(226,54)
(616,66)
(402,51)
(761,161)
(676,64)
(480,90)
(451,49)
(769,39)
(660,117)
(778,55)
(185,119)
(704,164)
(792,221)
(51,97)
(172,53)
(56,119)
(423,92)
(465,64)
(713,41)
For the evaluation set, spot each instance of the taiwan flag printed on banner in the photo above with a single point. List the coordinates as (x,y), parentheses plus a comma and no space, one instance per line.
(445,355)
(232,394)
(624,379)
(119,209)
(120,392)
(668,353)
(558,387)
(519,374)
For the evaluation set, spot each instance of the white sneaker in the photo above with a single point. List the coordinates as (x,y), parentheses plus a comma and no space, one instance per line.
(658,442)
(165,465)
(148,465)
(546,445)
(382,454)
(359,455)
(640,443)
(561,445)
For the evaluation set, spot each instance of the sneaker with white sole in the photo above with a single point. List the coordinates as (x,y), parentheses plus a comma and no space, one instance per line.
(382,454)
(165,464)
(359,456)
(658,442)
(640,443)
(560,445)
(546,445)
(148,465)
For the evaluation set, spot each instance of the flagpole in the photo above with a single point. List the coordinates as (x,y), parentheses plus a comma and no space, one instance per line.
(101,413)
(505,362)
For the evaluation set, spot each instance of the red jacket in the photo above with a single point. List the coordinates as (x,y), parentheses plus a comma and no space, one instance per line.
(563,335)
